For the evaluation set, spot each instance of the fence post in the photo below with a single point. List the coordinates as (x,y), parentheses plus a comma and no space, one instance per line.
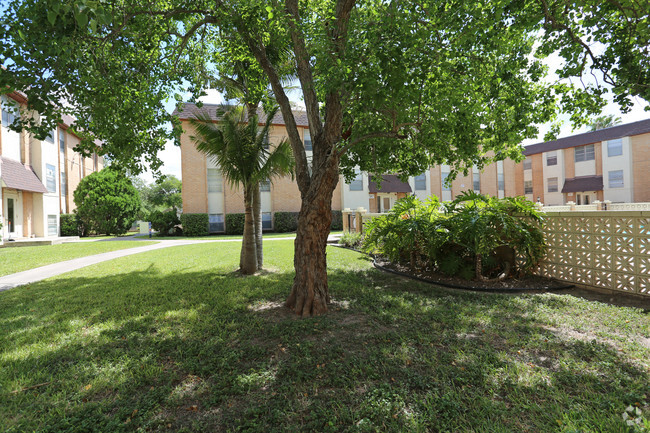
(599,204)
(572,205)
(346,219)
(606,204)
(359,219)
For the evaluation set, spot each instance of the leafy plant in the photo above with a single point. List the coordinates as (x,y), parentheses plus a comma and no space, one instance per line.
(106,202)
(285,221)
(235,223)
(195,224)
(69,225)
(474,234)
(351,239)
(164,222)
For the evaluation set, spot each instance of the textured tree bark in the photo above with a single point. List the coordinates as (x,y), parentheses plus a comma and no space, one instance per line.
(257,218)
(249,251)
(310,294)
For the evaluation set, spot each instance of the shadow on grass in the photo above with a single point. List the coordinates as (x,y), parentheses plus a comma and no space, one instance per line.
(202,351)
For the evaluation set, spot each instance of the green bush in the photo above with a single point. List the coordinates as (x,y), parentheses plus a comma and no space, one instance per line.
(285,221)
(474,234)
(69,224)
(235,223)
(337,220)
(106,202)
(195,224)
(351,239)
(164,222)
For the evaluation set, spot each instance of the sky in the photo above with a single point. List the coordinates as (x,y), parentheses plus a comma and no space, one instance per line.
(171,155)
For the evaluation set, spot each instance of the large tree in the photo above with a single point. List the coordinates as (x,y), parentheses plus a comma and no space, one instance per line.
(389,86)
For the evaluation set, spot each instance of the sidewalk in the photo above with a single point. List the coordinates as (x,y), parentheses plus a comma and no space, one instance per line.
(37,274)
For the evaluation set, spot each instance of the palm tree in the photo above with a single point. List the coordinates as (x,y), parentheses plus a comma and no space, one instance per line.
(237,147)
(602,122)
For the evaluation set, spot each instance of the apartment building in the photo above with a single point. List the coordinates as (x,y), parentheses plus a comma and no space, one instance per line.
(204,190)
(609,164)
(38,177)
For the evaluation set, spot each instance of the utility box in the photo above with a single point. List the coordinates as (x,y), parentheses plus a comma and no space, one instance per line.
(143,227)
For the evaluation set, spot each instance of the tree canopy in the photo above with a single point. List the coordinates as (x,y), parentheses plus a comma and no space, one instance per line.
(388,86)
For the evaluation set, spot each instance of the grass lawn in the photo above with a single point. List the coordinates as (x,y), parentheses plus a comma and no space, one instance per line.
(17,259)
(173,341)
(227,237)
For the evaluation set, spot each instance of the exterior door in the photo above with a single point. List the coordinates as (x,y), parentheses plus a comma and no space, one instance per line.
(13,215)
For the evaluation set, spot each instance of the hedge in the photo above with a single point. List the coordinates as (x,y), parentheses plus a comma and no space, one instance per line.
(285,222)
(235,223)
(288,221)
(195,224)
(69,224)
(164,222)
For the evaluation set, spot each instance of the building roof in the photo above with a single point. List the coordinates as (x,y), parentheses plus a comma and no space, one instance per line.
(390,183)
(612,133)
(16,175)
(191,111)
(583,183)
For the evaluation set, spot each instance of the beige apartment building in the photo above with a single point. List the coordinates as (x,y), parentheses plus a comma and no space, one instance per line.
(538,177)
(38,177)
(610,164)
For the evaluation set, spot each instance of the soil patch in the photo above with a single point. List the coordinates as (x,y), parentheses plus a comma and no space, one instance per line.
(527,283)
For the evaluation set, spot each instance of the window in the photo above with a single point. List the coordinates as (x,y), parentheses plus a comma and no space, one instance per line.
(357,183)
(307,140)
(8,117)
(616,179)
(62,144)
(50,178)
(216,223)
(50,137)
(528,187)
(64,183)
(267,221)
(443,178)
(615,147)
(421,182)
(215,181)
(265,141)
(52,226)
(585,153)
(551,184)
(528,164)
(265,185)
(501,183)
(476,175)
(551,158)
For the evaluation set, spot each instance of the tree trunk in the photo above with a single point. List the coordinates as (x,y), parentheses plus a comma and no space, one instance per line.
(309,294)
(257,218)
(248,257)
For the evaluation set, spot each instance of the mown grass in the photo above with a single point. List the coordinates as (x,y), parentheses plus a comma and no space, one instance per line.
(18,259)
(237,237)
(176,342)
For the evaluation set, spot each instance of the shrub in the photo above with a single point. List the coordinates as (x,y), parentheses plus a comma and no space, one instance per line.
(285,221)
(106,202)
(351,240)
(69,225)
(474,234)
(164,222)
(195,224)
(235,223)
(337,220)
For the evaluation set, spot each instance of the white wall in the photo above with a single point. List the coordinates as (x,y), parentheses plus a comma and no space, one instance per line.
(445,195)
(528,175)
(619,162)
(355,199)
(45,153)
(215,199)
(553,198)
(422,194)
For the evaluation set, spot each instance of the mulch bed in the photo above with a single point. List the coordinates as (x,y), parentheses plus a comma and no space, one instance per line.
(527,283)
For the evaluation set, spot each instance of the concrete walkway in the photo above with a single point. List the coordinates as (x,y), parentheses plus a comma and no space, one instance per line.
(37,274)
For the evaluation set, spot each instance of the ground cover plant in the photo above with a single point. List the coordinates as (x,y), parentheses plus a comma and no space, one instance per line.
(18,259)
(472,236)
(175,341)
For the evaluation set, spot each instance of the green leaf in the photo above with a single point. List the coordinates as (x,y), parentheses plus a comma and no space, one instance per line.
(51,16)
